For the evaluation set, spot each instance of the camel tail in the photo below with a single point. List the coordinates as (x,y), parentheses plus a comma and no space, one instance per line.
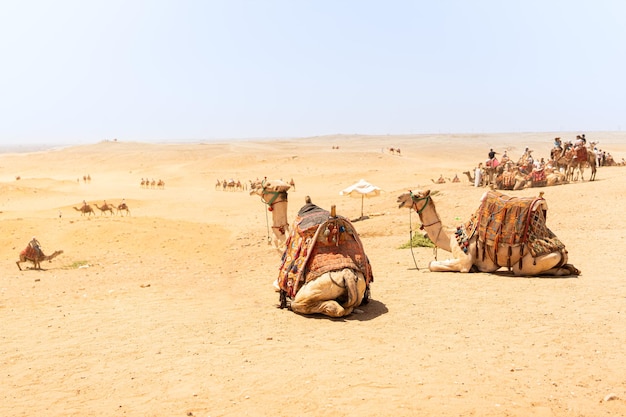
(350,279)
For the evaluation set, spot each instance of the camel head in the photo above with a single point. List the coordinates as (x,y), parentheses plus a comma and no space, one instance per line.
(409,199)
(258,187)
(269,190)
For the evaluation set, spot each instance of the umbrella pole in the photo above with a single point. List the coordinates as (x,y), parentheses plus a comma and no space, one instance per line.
(362,198)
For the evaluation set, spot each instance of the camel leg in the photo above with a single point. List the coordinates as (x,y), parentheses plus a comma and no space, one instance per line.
(461,262)
(18,265)
(545,265)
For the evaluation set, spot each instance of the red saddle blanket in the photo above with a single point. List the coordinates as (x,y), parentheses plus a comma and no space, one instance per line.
(318,244)
(29,252)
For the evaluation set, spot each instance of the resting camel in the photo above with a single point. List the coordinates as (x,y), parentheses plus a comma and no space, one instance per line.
(324,268)
(30,254)
(105,207)
(492,238)
(85,209)
(274,194)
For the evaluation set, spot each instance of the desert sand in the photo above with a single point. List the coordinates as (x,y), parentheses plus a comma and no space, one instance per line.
(170,311)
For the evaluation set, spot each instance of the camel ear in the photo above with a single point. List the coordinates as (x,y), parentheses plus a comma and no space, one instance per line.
(426,193)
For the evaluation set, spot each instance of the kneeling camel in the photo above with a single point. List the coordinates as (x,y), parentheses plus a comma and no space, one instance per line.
(504,232)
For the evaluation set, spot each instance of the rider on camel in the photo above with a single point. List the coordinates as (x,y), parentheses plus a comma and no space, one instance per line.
(36,246)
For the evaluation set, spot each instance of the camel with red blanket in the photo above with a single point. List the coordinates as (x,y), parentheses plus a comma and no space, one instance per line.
(36,257)
(504,232)
(323,267)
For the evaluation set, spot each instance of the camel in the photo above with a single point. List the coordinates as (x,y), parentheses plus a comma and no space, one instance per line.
(85,209)
(105,207)
(274,194)
(555,178)
(577,158)
(471,178)
(324,268)
(30,254)
(123,207)
(511,180)
(504,232)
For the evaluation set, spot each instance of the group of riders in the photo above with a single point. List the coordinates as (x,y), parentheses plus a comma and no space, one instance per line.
(535,168)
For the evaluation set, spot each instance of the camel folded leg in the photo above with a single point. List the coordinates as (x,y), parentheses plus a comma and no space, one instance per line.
(553,264)
(320,295)
(461,261)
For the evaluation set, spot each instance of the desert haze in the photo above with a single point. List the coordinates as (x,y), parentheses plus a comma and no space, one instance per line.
(169,310)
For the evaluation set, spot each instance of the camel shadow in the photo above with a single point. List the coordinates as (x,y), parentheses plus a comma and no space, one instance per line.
(373,309)
(370,311)
(510,275)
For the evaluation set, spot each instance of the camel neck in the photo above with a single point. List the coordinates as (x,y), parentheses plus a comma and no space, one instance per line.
(433,226)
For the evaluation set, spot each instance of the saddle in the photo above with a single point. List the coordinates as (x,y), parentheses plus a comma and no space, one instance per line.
(513,221)
(508,180)
(319,243)
(581,154)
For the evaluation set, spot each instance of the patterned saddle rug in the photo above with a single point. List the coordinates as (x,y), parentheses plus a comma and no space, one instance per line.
(318,244)
(30,252)
(513,221)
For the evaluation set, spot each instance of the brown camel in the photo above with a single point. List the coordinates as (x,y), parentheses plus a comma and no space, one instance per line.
(105,207)
(123,207)
(30,254)
(504,232)
(85,209)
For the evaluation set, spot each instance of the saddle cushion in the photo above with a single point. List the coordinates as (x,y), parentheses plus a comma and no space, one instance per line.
(513,221)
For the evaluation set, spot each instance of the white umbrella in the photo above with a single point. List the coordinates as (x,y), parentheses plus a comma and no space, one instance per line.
(361,189)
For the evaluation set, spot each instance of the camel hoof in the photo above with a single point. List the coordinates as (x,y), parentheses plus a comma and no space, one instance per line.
(572,269)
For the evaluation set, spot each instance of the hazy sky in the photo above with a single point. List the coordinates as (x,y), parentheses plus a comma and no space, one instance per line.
(87,70)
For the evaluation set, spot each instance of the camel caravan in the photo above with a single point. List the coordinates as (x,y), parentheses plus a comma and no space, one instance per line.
(567,163)
(324,268)
(230,185)
(152,184)
(106,208)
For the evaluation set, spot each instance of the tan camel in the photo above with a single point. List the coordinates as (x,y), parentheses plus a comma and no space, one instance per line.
(555,178)
(30,254)
(123,207)
(495,237)
(324,268)
(85,209)
(105,207)
(274,194)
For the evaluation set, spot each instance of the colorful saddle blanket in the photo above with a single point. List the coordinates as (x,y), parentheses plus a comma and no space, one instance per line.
(318,244)
(513,221)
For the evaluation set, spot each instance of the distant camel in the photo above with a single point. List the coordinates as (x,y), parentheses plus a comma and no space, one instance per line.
(105,207)
(29,254)
(85,209)
(161,184)
(123,207)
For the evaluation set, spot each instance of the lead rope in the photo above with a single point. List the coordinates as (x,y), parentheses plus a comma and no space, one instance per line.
(267,222)
(411,238)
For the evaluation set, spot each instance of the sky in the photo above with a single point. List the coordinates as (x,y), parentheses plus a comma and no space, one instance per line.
(182,70)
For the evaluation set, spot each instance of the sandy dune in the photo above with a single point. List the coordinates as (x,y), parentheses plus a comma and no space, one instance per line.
(170,311)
